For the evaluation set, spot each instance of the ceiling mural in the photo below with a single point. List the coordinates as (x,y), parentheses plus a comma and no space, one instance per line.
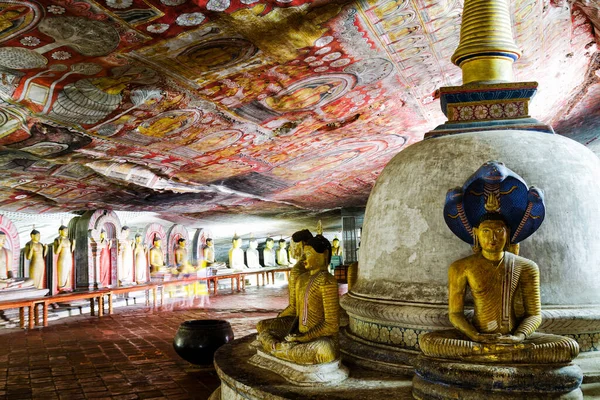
(193,108)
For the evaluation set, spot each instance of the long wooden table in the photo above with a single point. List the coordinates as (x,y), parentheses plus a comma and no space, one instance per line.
(97,296)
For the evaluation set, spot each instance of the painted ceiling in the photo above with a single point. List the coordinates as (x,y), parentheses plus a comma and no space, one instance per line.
(196,108)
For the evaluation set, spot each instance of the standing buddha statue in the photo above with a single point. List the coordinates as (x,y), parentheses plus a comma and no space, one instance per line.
(140,260)
(125,271)
(64,248)
(36,252)
(103,248)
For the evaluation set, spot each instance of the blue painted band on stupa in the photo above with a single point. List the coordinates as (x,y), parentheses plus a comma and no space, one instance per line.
(464,58)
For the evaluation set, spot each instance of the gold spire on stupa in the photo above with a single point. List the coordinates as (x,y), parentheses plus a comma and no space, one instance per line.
(487,50)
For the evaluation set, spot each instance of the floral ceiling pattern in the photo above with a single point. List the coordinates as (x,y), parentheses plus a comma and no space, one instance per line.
(193,108)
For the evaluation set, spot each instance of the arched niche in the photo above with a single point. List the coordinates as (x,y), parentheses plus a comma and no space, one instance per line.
(198,244)
(12,243)
(175,233)
(110,223)
(152,230)
(86,231)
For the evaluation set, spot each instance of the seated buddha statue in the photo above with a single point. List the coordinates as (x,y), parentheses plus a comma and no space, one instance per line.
(236,254)
(505,287)
(182,263)
(300,240)
(252,255)
(282,254)
(269,253)
(309,334)
(156,257)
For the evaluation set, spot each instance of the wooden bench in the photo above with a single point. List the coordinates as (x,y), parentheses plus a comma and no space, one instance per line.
(234,276)
(93,296)
(147,287)
(272,270)
(21,304)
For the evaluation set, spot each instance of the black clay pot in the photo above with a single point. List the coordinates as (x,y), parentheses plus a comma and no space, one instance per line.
(197,341)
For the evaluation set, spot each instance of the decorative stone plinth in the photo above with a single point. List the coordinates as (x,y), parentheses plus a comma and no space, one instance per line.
(437,378)
(241,380)
(326,374)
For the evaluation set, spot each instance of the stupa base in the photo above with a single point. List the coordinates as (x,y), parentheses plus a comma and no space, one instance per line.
(439,379)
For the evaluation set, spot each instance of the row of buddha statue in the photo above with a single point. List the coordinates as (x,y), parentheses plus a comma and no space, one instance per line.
(280,257)
(493,212)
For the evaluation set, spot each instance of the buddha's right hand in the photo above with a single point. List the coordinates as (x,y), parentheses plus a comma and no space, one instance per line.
(486,337)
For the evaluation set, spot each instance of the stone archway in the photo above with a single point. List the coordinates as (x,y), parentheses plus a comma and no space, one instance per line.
(175,233)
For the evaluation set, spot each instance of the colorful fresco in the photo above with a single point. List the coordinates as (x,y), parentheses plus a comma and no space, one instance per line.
(196,108)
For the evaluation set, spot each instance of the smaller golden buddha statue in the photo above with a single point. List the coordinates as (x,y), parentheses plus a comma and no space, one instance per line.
(310,335)
(182,263)
(156,256)
(208,252)
(36,252)
(336,250)
(300,239)
(64,248)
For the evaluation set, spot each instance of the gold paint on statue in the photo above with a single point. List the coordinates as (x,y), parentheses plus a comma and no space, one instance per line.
(486,41)
(507,308)
(36,253)
(309,335)
(157,261)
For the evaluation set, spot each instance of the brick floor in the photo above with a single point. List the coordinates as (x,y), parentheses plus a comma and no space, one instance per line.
(128,355)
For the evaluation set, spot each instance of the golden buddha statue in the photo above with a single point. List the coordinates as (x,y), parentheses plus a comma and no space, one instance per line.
(502,328)
(208,252)
(300,239)
(36,252)
(493,205)
(63,248)
(336,250)
(156,256)
(309,334)
(182,262)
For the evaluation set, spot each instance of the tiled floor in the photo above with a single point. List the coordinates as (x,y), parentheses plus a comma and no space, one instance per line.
(128,355)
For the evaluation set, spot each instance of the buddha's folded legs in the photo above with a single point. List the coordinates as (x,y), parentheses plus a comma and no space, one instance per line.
(537,348)
(319,351)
